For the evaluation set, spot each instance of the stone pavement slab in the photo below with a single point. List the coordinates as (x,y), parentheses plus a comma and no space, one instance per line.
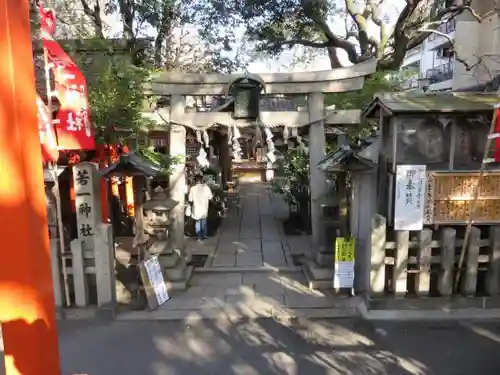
(252,229)
(270,347)
(249,295)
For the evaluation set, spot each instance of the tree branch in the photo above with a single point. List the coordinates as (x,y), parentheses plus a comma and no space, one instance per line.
(310,9)
(456,50)
(302,42)
(360,21)
(95,16)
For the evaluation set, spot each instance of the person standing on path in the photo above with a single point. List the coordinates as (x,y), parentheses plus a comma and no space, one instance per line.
(200,196)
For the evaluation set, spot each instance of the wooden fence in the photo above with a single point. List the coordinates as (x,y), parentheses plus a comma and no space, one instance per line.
(425,263)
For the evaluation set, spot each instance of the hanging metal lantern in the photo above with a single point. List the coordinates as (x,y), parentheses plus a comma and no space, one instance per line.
(246,95)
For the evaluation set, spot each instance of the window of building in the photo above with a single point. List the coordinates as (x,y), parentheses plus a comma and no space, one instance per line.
(445,53)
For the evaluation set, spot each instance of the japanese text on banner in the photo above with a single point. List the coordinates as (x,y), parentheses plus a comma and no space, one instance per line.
(74,130)
(411,184)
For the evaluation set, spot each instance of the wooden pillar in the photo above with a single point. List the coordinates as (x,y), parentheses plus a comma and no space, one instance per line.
(139,187)
(317,178)
(177,180)
(27,309)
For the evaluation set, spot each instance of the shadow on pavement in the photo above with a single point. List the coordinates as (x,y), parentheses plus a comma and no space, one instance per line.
(266,346)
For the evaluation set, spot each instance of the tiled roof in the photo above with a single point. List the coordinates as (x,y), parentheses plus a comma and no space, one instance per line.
(132,162)
(433,102)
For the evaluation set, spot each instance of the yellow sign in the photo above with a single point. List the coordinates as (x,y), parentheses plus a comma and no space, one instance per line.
(344,249)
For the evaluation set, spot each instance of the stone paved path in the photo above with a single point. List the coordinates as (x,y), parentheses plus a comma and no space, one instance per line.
(252,236)
(251,273)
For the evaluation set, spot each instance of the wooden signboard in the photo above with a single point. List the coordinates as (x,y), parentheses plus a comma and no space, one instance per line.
(193,149)
(409,197)
(449,198)
(154,283)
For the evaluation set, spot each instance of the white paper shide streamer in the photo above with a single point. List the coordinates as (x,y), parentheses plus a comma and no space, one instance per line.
(236,144)
(202,154)
(206,138)
(270,145)
(286,134)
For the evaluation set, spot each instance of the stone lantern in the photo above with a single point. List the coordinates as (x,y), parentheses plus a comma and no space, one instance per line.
(157,220)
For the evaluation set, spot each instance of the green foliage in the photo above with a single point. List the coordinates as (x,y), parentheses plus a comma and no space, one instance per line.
(116,95)
(166,162)
(376,83)
(294,173)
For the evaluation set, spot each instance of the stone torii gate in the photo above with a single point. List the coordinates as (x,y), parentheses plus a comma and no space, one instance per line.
(175,118)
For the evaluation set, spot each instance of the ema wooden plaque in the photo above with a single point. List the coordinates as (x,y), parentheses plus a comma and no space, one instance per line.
(450,196)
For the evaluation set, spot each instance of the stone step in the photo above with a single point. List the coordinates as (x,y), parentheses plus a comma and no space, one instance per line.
(238,314)
(234,269)
(250,295)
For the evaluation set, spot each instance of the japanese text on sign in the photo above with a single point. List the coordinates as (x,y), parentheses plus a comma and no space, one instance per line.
(409,197)
(343,276)
(344,249)
(83,175)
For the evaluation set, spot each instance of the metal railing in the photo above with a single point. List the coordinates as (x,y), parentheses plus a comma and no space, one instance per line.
(445,28)
(440,73)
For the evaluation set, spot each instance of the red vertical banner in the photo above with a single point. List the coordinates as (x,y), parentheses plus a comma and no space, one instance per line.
(497,130)
(48,141)
(74,129)
(47,19)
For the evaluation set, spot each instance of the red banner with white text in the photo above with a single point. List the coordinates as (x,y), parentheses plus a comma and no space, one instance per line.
(48,141)
(47,19)
(74,129)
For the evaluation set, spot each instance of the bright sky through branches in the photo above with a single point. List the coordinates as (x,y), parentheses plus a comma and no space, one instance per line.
(284,63)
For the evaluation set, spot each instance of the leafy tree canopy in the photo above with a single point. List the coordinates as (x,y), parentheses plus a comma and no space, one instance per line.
(363,29)
(116,96)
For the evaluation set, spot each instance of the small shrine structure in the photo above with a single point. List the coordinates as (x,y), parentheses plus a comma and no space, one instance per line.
(431,150)
(235,112)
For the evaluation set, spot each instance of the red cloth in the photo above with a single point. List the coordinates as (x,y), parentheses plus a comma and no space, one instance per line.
(74,129)
(497,140)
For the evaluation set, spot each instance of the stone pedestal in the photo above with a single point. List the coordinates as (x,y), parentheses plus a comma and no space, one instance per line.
(159,220)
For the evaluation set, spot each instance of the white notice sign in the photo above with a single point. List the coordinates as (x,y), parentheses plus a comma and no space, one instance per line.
(153,269)
(343,276)
(409,197)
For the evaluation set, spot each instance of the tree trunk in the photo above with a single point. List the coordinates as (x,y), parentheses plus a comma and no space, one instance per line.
(334,59)
(127,15)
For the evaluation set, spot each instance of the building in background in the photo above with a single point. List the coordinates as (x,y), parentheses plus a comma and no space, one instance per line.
(434,64)
(433,60)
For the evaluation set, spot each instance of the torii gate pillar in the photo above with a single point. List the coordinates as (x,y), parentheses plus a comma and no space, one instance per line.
(27,308)
(317,178)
